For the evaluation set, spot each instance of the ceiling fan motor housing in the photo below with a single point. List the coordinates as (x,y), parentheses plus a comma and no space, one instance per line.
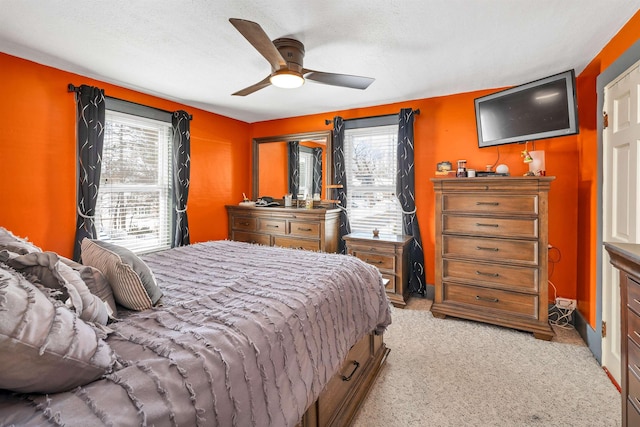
(292,51)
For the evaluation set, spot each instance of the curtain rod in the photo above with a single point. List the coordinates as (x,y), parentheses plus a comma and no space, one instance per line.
(72,88)
(326,122)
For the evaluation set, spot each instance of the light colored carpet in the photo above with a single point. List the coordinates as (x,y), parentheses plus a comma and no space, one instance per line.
(451,372)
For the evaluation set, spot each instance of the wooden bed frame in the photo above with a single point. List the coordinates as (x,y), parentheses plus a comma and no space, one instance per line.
(344,394)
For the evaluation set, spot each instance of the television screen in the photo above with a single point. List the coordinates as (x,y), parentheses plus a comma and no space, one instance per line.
(541,109)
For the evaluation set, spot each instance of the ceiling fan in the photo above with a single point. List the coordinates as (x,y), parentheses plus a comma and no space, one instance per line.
(285,56)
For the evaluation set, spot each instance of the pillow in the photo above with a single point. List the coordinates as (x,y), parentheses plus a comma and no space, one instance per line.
(16,244)
(54,274)
(45,347)
(131,280)
(96,282)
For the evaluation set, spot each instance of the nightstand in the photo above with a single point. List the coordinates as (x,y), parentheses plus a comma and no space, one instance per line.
(388,252)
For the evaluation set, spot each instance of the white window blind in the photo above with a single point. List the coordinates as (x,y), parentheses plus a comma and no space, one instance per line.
(371,163)
(134,199)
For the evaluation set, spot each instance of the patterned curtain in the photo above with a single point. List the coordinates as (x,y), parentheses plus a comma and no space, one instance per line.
(294,168)
(90,116)
(405,190)
(317,170)
(180,122)
(340,178)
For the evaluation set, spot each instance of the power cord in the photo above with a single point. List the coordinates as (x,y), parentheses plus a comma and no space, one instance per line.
(560,315)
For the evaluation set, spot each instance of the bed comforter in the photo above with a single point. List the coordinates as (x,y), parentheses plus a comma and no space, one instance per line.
(246,335)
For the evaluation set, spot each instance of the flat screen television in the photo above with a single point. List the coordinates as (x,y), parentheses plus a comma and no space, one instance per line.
(541,109)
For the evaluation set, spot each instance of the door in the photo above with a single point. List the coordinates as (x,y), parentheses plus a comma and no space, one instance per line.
(621,138)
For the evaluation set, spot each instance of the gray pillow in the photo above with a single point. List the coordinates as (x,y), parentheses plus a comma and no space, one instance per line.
(131,280)
(54,274)
(96,282)
(45,347)
(16,244)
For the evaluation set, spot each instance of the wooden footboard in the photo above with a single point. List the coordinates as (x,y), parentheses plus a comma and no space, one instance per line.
(342,397)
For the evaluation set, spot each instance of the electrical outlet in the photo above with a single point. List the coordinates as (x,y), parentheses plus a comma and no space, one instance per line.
(566,303)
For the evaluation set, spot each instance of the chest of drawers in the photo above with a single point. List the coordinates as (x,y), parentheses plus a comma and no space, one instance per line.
(491,251)
(309,229)
(389,254)
(626,258)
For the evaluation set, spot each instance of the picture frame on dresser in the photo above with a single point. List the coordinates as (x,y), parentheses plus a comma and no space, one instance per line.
(492,251)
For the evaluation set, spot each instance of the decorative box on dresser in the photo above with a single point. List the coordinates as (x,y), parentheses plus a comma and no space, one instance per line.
(388,253)
(311,229)
(626,258)
(491,251)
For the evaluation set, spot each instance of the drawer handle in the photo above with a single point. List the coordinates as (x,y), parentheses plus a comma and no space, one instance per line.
(480,273)
(636,334)
(479,298)
(479,224)
(304,229)
(244,223)
(636,301)
(273,226)
(368,261)
(487,203)
(482,248)
(356,365)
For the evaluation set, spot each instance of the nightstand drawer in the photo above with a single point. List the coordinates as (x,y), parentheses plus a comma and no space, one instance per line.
(505,276)
(275,226)
(381,261)
(491,203)
(390,286)
(514,303)
(498,227)
(489,249)
(244,223)
(289,242)
(304,229)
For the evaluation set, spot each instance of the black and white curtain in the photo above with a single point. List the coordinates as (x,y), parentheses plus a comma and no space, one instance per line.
(340,178)
(90,121)
(181,145)
(317,170)
(405,191)
(294,168)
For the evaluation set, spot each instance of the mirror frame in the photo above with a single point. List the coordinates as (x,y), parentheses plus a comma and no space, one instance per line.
(326,134)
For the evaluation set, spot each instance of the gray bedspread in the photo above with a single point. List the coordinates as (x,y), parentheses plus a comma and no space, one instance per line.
(248,336)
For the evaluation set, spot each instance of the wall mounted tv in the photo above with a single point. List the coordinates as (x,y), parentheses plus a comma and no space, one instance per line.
(541,109)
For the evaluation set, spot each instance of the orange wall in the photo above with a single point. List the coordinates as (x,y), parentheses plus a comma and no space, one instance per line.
(38,161)
(588,160)
(445,130)
(274,165)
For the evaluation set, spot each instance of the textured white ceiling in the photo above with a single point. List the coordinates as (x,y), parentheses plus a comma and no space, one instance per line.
(187,51)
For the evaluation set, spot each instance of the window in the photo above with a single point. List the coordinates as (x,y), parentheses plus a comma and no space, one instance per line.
(135,195)
(371,163)
(305,186)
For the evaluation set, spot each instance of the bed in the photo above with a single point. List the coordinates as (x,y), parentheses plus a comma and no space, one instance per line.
(233,334)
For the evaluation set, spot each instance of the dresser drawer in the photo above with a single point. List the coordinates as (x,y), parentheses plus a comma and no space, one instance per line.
(262,239)
(633,385)
(479,248)
(633,295)
(344,380)
(390,286)
(513,303)
(382,261)
(290,242)
(491,203)
(633,356)
(633,415)
(498,227)
(633,326)
(304,229)
(245,223)
(505,276)
(275,226)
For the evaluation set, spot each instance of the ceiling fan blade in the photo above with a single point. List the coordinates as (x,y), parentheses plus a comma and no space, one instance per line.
(254,88)
(259,40)
(345,80)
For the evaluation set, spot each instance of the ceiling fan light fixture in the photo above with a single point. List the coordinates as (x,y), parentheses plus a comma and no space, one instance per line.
(286,79)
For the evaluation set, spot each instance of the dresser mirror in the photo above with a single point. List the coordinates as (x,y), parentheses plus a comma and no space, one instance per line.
(271,170)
